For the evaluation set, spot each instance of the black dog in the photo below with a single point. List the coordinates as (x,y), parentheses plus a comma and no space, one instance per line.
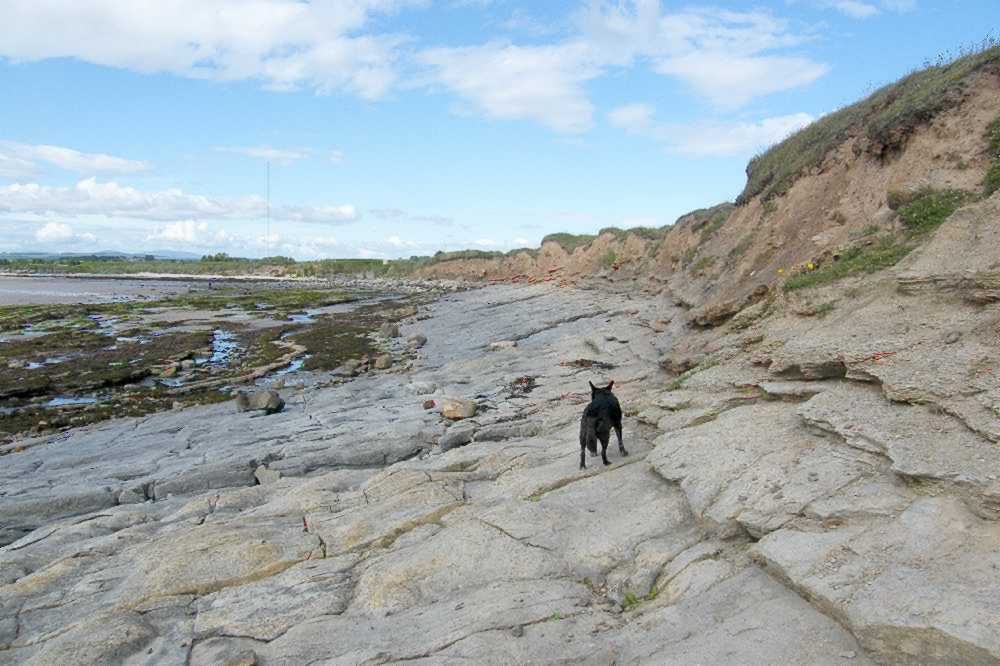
(601,415)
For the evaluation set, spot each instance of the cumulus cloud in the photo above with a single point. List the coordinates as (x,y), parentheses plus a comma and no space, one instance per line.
(708,138)
(739,138)
(277,155)
(316,45)
(506,81)
(59,232)
(727,57)
(54,232)
(730,81)
(21,159)
(110,199)
(182,231)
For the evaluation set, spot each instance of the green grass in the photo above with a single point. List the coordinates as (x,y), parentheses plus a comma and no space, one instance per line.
(740,248)
(921,212)
(928,208)
(889,116)
(688,256)
(569,242)
(647,233)
(823,309)
(629,600)
(609,258)
(714,224)
(857,260)
(703,263)
(992,181)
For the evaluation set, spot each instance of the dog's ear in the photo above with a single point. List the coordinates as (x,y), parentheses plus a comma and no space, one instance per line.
(610,384)
(593,389)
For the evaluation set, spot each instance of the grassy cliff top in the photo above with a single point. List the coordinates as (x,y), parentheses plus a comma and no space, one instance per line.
(887,117)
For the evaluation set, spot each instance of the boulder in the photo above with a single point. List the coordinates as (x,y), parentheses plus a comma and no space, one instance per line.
(383,362)
(416,341)
(389,330)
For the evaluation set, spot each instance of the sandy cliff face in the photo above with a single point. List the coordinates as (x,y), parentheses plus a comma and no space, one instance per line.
(711,262)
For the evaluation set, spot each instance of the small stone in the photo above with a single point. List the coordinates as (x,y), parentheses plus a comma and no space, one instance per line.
(269,401)
(457,408)
(389,330)
(517,631)
(429,404)
(383,361)
(503,344)
(416,341)
(849,654)
(187,364)
(952,338)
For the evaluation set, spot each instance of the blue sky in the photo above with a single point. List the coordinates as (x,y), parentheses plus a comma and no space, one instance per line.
(401,127)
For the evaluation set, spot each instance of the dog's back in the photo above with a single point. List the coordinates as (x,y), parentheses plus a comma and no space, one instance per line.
(597,419)
(600,416)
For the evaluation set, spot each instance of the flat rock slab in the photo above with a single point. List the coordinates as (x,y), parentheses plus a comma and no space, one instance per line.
(922,443)
(756,468)
(922,588)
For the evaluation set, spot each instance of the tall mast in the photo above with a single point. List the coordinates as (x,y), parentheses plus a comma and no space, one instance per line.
(267,214)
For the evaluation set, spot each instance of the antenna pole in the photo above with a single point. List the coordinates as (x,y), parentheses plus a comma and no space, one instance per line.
(267,214)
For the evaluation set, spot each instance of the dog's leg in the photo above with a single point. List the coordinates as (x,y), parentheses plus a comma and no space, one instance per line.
(604,450)
(583,455)
(618,431)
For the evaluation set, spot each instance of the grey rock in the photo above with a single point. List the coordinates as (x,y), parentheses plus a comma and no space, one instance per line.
(389,330)
(458,435)
(383,361)
(269,401)
(503,431)
(416,341)
(265,476)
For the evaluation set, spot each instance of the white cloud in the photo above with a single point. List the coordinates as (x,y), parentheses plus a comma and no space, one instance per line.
(336,156)
(505,81)
(632,117)
(853,8)
(731,81)
(109,199)
(708,138)
(60,232)
(716,139)
(182,231)
(286,45)
(20,159)
(277,155)
(727,57)
(54,232)
(861,9)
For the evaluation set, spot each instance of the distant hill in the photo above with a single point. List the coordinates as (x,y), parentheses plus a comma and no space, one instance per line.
(158,254)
